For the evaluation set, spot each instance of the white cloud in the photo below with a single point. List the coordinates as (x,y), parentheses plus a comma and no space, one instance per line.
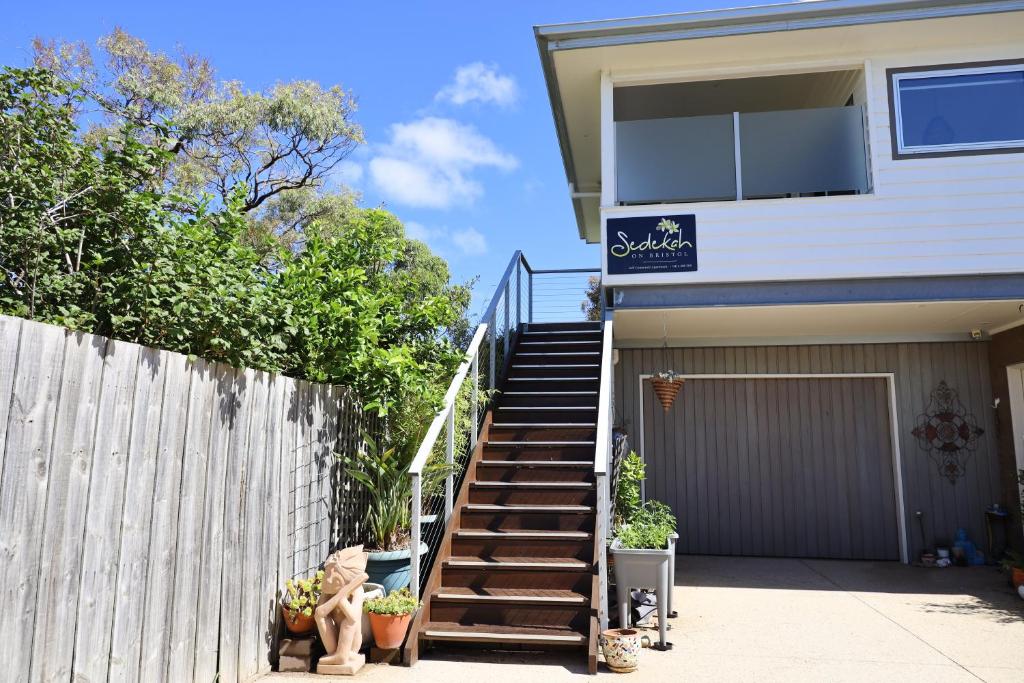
(348,172)
(429,163)
(418,231)
(470,241)
(479,82)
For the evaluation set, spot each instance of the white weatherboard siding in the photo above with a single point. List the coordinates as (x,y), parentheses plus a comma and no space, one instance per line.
(940,216)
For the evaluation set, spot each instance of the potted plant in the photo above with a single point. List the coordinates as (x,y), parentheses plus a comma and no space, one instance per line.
(384,474)
(666,386)
(298,602)
(390,617)
(644,553)
(1013,562)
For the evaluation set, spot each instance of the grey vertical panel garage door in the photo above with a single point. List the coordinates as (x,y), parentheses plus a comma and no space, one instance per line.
(777,467)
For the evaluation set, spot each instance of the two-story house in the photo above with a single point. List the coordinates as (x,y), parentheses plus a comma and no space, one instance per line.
(814,213)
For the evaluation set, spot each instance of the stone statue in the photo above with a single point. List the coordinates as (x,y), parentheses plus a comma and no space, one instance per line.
(339,611)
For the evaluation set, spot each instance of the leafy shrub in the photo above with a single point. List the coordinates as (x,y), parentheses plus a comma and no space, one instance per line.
(627,492)
(649,527)
(92,237)
(398,603)
(384,473)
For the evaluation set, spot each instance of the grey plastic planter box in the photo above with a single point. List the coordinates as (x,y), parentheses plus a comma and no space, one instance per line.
(646,569)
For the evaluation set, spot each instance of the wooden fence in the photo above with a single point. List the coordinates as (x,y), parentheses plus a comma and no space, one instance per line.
(152,506)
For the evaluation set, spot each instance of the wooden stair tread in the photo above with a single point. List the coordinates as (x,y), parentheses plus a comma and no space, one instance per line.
(544,563)
(533,484)
(537,463)
(552,379)
(488,633)
(541,425)
(519,534)
(523,354)
(519,509)
(556,365)
(589,342)
(587,331)
(511,596)
(549,393)
(491,442)
(547,407)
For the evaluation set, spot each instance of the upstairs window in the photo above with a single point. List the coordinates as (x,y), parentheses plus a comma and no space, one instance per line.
(957,110)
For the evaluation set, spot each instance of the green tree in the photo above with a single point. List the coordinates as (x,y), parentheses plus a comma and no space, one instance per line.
(591,305)
(92,238)
(223,136)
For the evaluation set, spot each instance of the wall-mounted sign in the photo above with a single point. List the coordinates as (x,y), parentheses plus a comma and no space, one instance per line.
(652,244)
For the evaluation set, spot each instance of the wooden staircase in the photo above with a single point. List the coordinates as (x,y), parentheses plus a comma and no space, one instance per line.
(515,570)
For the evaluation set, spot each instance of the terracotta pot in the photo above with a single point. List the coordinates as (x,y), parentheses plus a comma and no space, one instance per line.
(1018,577)
(666,390)
(297,622)
(389,629)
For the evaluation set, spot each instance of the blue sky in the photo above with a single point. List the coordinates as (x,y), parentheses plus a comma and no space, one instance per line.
(460,140)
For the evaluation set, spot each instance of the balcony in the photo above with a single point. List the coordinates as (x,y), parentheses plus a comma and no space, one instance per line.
(805,152)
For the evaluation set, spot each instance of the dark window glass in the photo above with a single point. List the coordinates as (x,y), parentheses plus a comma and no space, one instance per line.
(967,111)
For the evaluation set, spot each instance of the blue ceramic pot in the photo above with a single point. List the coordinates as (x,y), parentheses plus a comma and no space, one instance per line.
(391,568)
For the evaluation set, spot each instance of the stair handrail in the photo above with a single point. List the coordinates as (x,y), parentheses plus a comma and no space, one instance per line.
(602,458)
(445,418)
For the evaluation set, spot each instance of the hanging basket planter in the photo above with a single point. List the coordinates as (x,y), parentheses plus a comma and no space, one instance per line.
(667,386)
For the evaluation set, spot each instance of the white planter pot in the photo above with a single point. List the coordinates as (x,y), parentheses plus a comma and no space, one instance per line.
(652,569)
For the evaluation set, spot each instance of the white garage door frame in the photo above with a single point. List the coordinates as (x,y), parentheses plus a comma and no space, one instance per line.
(1015,383)
(897,464)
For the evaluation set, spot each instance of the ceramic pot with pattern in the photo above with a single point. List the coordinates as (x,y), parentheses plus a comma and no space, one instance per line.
(621,648)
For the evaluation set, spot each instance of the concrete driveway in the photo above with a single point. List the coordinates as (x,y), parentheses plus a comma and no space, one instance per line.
(752,619)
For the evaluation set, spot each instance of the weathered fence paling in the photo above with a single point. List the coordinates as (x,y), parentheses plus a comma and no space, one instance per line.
(151,507)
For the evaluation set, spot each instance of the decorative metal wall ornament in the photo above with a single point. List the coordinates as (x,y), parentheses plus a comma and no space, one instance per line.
(947,432)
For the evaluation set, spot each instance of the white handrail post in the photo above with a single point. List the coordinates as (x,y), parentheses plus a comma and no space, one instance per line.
(493,346)
(519,294)
(449,483)
(414,548)
(603,469)
(602,559)
(508,332)
(474,402)
(529,297)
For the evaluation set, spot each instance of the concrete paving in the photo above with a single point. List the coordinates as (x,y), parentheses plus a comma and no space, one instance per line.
(753,619)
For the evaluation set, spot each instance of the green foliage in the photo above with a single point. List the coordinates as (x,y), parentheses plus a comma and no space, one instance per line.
(1012,560)
(591,305)
(302,595)
(627,490)
(91,239)
(384,473)
(397,603)
(649,528)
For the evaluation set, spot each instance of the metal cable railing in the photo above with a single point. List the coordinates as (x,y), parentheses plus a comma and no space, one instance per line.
(561,295)
(522,295)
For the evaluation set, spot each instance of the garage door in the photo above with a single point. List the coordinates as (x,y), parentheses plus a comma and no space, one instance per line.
(776,467)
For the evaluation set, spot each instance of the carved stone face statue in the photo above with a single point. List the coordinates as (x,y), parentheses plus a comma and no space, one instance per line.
(341,567)
(339,611)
